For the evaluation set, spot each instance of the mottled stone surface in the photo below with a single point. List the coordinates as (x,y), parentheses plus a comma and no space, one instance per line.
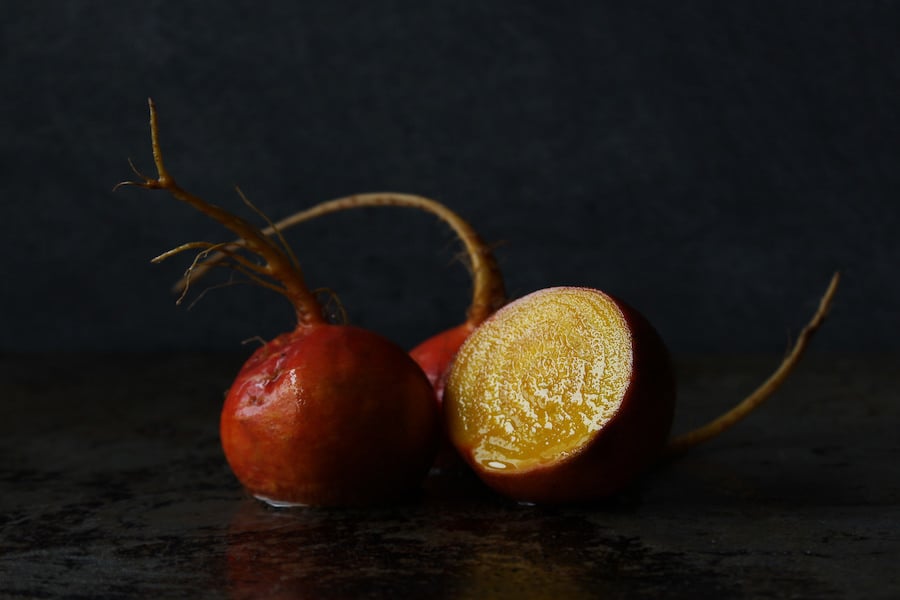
(113,486)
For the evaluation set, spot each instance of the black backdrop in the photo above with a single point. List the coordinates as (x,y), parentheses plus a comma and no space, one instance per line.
(711,162)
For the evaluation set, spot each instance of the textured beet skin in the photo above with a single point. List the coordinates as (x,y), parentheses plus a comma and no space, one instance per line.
(330,415)
(618,453)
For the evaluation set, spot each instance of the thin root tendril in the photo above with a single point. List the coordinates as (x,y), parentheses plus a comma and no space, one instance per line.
(685,442)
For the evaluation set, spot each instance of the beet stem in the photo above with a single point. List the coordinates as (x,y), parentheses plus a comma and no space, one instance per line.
(280,264)
(488,291)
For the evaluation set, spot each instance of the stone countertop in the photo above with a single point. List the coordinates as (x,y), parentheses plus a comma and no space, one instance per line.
(114,486)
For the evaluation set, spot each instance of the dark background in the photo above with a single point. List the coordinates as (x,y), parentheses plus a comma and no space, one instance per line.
(710,162)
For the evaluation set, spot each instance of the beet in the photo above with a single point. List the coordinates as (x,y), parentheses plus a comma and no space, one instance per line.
(325,414)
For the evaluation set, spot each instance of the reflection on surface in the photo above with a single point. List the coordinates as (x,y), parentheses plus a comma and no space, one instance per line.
(314,553)
(490,549)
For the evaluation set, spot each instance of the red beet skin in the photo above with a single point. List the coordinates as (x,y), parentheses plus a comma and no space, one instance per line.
(436,353)
(435,356)
(329,415)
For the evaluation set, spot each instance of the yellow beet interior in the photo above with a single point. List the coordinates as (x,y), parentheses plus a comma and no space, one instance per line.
(539,379)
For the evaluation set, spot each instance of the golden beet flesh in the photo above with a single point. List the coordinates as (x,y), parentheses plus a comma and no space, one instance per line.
(566,395)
